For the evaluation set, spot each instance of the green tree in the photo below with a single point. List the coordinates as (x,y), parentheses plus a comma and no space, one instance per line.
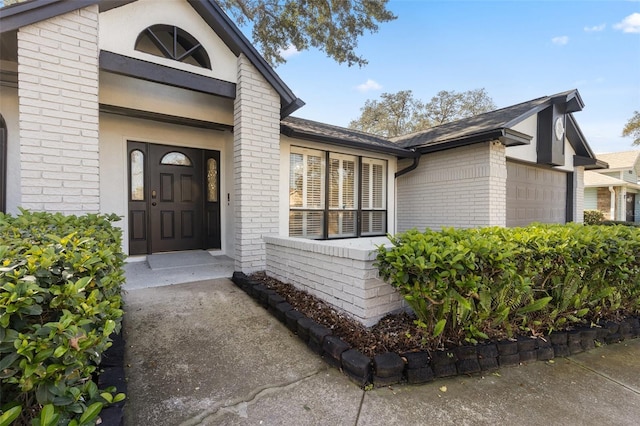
(447,106)
(397,114)
(394,114)
(632,128)
(332,26)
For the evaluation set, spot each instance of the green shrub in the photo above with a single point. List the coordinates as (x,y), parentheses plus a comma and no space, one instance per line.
(619,222)
(60,300)
(471,284)
(593,217)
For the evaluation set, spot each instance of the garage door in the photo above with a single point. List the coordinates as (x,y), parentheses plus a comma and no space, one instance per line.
(535,195)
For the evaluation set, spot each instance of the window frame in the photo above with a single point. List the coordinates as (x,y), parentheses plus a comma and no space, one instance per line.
(358,193)
(182,46)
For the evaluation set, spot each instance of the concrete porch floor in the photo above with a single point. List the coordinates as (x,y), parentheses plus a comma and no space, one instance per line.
(162,269)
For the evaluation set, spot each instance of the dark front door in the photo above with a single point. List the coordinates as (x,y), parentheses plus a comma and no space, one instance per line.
(631,207)
(173,199)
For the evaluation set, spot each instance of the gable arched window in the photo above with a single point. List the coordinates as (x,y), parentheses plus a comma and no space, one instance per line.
(169,41)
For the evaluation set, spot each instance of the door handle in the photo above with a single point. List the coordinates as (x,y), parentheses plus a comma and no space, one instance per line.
(153,194)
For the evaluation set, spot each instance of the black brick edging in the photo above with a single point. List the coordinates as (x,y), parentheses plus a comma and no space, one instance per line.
(112,374)
(422,367)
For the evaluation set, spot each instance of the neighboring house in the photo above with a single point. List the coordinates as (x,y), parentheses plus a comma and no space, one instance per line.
(615,191)
(168,117)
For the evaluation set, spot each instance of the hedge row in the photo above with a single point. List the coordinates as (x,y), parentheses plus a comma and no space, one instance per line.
(60,300)
(475,284)
(427,365)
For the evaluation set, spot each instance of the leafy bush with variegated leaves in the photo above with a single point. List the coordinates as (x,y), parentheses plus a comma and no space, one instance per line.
(60,301)
(472,284)
(593,217)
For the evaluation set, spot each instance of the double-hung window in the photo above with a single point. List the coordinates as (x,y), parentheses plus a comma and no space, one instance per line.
(333,195)
(306,193)
(374,197)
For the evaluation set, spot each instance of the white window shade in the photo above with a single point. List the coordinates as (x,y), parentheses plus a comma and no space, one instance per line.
(306,179)
(334,195)
(374,175)
(374,197)
(343,182)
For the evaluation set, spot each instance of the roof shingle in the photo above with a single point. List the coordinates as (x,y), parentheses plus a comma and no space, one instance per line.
(477,125)
(621,160)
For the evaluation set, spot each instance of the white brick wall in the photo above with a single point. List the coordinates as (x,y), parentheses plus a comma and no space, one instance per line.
(256,162)
(339,272)
(578,195)
(497,185)
(58,109)
(462,187)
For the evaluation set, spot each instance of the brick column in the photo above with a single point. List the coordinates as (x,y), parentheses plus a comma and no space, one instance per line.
(497,184)
(58,109)
(578,194)
(256,162)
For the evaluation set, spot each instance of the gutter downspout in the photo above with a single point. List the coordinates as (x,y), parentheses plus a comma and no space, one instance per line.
(416,161)
(612,200)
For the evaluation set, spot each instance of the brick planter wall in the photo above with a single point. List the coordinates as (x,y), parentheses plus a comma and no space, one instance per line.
(339,272)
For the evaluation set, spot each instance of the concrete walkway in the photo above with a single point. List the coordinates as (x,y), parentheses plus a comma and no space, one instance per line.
(205,353)
(162,269)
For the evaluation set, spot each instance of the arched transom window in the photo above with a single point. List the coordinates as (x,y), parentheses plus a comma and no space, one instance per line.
(171,42)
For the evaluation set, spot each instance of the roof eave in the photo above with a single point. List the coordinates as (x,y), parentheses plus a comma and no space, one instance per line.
(621,184)
(27,13)
(512,137)
(238,43)
(572,100)
(507,137)
(576,139)
(313,137)
(589,163)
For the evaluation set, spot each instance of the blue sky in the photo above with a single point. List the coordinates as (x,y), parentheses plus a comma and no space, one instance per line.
(516,50)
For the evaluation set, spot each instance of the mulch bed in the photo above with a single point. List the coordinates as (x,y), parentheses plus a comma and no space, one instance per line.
(393,333)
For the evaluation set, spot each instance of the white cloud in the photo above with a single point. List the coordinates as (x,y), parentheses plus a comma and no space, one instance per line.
(289,52)
(368,86)
(630,24)
(595,28)
(560,40)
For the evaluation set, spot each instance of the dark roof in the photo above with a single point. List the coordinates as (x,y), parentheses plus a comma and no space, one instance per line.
(29,12)
(584,155)
(488,126)
(320,132)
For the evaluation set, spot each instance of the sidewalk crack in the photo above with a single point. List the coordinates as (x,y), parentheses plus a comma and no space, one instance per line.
(239,405)
(364,392)
(611,379)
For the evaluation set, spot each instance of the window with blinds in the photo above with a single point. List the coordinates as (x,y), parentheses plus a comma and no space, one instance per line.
(306,193)
(334,195)
(343,184)
(374,197)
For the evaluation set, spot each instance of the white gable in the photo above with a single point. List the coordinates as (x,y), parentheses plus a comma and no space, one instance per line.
(529,153)
(120,27)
